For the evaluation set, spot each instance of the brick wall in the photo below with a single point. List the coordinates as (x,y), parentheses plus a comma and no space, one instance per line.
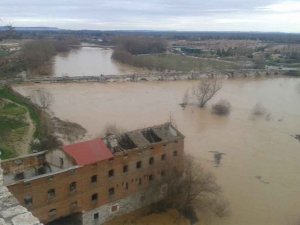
(124,184)
(11,212)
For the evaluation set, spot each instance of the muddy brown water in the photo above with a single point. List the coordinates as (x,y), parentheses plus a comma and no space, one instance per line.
(260,166)
(89,61)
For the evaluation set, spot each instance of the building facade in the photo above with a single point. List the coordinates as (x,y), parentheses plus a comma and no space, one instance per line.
(99,179)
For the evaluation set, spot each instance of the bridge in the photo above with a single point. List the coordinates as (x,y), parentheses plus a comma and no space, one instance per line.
(157,76)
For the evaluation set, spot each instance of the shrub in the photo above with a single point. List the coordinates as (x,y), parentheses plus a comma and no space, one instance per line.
(259,110)
(221,108)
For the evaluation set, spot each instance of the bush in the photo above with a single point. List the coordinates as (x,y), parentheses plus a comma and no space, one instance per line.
(38,52)
(259,110)
(221,108)
(192,190)
(141,45)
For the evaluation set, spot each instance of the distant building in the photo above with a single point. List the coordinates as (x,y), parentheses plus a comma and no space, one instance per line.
(99,179)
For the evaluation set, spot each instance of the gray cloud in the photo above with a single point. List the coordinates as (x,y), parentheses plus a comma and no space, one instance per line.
(152,14)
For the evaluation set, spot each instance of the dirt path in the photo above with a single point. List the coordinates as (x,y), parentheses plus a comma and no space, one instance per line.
(23,148)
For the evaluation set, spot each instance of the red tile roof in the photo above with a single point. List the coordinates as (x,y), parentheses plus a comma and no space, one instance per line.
(88,152)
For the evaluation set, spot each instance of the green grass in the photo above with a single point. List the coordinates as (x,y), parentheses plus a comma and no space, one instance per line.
(39,118)
(182,63)
(11,109)
(3,53)
(8,124)
(13,128)
(33,112)
(295,73)
(7,153)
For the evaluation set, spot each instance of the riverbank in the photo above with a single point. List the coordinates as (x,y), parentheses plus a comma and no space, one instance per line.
(15,128)
(35,55)
(24,127)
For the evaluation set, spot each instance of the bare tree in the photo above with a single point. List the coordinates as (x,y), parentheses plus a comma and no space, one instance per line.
(42,98)
(206,89)
(67,130)
(111,129)
(185,99)
(192,190)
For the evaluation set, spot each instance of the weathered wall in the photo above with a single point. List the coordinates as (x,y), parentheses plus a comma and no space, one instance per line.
(59,159)
(23,163)
(120,207)
(38,187)
(11,212)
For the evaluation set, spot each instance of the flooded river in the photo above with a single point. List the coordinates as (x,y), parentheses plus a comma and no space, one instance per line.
(260,168)
(89,61)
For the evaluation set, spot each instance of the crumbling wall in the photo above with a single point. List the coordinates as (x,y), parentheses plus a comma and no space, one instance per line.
(123,206)
(23,163)
(11,212)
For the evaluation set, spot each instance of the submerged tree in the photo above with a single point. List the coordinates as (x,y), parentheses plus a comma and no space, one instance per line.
(42,98)
(221,108)
(192,190)
(185,99)
(206,89)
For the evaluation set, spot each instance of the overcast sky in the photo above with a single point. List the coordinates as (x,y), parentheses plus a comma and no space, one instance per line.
(181,15)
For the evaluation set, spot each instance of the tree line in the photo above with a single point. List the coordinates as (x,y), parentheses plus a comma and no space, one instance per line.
(40,51)
(129,47)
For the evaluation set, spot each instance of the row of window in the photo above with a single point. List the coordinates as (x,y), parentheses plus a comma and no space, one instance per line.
(111,191)
(94,198)
(111,172)
(53,212)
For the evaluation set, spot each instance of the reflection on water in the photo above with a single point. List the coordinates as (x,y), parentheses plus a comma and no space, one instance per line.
(259,170)
(89,61)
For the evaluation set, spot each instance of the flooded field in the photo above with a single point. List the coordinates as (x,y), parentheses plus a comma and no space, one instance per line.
(259,170)
(89,61)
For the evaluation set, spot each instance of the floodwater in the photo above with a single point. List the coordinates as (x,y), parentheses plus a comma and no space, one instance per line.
(89,61)
(260,166)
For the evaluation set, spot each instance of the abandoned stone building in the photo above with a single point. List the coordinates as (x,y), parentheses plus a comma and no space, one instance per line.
(99,179)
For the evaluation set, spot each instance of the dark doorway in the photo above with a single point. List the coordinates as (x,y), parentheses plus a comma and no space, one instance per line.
(74,219)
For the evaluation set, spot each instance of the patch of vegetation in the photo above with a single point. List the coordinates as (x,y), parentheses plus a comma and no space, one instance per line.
(11,109)
(68,130)
(3,53)
(11,66)
(37,53)
(141,45)
(7,153)
(163,62)
(221,108)
(9,94)
(7,124)
(43,132)
(259,110)
(192,51)
(192,190)
(13,127)
(295,73)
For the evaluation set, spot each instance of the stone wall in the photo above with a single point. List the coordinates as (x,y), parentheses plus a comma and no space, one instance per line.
(11,212)
(123,206)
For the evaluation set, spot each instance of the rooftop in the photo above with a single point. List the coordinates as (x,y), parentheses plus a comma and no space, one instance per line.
(26,168)
(88,152)
(142,138)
